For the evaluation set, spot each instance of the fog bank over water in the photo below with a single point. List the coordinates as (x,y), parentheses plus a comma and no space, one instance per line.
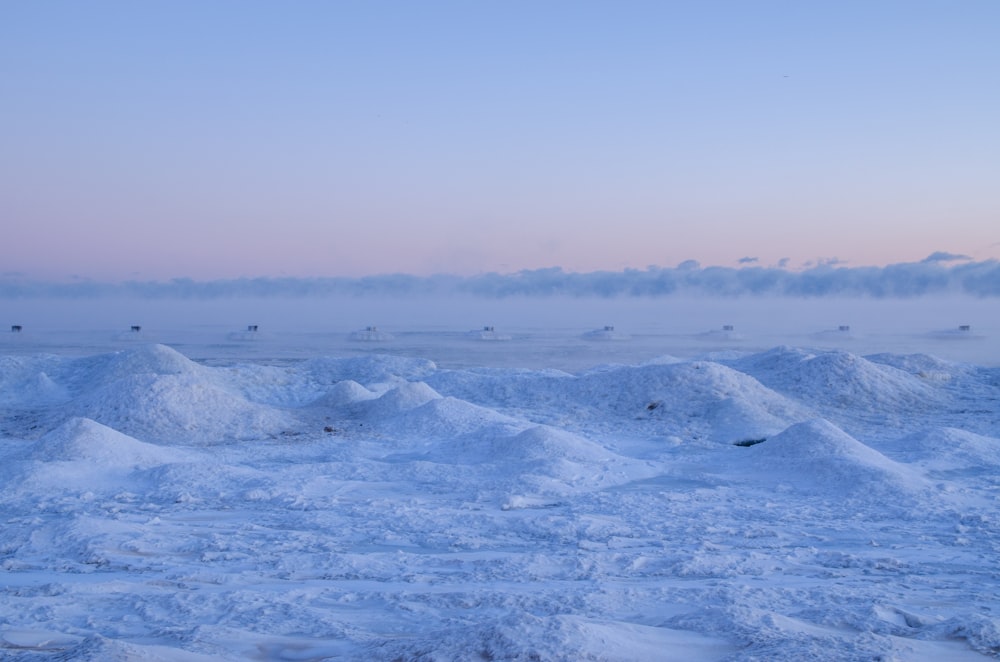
(937,274)
(548,331)
(456,312)
(765,304)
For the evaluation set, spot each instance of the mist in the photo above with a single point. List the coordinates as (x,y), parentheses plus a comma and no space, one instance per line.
(546,330)
(938,274)
(681,311)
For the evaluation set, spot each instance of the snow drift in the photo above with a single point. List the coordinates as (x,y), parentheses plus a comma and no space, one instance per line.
(784,504)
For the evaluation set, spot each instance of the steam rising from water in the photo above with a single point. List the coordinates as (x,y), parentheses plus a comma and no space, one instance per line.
(438,326)
(939,274)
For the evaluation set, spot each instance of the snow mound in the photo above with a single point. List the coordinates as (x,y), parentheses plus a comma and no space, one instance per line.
(922,365)
(817,455)
(949,449)
(147,359)
(448,417)
(83,457)
(514,448)
(13,371)
(345,392)
(544,462)
(839,379)
(487,513)
(43,390)
(545,444)
(184,408)
(537,458)
(500,387)
(25,382)
(46,380)
(86,440)
(368,370)
(689,399)
(699,398)
(739,418)
(400,399)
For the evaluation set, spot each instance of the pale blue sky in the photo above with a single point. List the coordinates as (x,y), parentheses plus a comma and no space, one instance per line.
(220,139)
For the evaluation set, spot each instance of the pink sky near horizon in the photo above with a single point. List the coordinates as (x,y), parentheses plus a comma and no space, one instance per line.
(238,139)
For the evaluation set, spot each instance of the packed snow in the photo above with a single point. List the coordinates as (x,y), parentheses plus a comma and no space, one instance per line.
(251,498)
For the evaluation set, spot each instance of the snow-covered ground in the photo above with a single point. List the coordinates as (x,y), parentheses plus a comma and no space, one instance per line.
(298,496)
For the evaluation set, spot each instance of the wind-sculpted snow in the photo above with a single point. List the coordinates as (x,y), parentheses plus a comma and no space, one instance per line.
(949,450)
(24,381)
(151,392)
(368,370)
(82,375)
(84,440)
(694,400)
(921,365)
(843,386)
(343,393)
(790,504)
(399,399)
(447,418)
(82,457)
(816,456)
(186,408)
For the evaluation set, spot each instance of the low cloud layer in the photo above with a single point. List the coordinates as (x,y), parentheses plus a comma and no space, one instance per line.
(942,256)
(939,273)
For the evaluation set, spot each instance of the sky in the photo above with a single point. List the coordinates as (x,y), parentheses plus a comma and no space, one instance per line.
(240,139)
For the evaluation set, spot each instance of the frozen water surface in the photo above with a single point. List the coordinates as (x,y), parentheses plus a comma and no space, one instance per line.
(208,492)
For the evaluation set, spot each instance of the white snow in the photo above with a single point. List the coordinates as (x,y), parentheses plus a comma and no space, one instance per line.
(782,503)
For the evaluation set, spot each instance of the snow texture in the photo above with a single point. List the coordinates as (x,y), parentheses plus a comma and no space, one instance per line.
(789,504)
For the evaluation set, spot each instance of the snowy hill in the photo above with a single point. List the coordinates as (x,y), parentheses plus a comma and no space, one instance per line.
(817,456)
(784,504)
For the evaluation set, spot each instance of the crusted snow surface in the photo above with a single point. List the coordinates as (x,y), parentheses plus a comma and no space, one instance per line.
(817,456)
(789,504)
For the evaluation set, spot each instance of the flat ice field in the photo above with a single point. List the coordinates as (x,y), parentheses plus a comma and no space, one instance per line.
(276,500)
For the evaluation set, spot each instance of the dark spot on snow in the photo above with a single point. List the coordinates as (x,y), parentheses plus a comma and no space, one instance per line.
(746,443)
(652,405)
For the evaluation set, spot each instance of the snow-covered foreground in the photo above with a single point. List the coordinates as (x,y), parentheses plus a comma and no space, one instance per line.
(784,504)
